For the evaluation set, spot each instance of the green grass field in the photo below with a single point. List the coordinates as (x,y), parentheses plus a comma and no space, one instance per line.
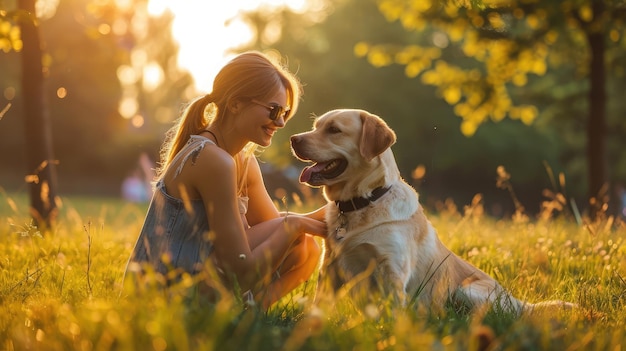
(62,291)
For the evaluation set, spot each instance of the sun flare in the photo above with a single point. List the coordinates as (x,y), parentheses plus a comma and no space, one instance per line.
(206,31)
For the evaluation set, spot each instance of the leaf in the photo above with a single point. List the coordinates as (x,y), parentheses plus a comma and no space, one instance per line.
(361,49)
(452,94)
(528,114)
(519,79)
(414,68)
(468,128)
(379,58)
(586,13)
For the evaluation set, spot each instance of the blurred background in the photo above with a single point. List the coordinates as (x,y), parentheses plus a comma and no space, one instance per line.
(468,87)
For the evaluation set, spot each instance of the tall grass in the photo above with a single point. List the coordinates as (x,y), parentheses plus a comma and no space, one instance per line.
(63,291)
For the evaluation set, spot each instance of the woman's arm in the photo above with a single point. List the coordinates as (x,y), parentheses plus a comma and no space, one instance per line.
(261,207)
(318,214)
(214,177)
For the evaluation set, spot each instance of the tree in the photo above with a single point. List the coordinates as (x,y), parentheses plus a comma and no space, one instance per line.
(95,66)
(38,136)
(503,43)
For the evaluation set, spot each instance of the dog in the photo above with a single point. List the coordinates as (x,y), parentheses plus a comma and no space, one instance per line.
(379,237)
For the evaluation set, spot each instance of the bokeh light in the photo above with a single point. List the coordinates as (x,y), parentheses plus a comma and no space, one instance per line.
(9,93)
(61,93)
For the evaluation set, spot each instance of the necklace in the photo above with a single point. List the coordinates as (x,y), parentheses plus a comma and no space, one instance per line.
(214,136)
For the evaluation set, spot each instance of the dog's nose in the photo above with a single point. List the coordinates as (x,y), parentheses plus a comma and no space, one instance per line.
(295,139)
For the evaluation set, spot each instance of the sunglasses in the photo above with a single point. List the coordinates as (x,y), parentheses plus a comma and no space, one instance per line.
(275,109)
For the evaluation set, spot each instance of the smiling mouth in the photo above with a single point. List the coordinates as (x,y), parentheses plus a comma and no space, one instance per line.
(321,171)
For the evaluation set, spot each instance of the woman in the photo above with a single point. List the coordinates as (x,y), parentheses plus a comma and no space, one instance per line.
(210,203)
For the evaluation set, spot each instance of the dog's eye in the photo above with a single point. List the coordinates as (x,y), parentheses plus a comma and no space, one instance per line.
(334,130)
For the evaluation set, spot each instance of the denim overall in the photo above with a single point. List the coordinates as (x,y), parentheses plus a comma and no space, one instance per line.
(174,235)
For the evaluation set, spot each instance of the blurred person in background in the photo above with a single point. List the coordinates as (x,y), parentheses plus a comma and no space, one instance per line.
(137,187)
(210,205)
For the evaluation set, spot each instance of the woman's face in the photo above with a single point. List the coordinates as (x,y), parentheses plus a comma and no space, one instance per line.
(255,121)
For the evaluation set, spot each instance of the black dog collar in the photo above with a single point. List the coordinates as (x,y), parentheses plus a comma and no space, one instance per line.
(360,202)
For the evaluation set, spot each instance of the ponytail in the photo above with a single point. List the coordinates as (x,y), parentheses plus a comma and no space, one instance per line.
(193,120)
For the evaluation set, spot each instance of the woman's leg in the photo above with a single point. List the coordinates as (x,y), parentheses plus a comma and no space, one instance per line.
(297,267)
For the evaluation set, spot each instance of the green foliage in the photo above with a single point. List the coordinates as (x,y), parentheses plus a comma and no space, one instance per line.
(63,291)
(504,43)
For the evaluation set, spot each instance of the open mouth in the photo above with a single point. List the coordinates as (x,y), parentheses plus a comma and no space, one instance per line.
(321,171)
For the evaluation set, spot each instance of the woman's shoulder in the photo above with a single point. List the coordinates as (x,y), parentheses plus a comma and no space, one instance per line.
(200,153)
(213,157)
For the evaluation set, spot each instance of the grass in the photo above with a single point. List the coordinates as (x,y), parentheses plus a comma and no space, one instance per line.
(62,291)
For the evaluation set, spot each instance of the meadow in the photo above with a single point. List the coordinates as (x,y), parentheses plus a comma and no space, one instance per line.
(62,290)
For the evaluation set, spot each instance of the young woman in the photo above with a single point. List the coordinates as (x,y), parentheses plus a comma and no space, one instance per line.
(211,205)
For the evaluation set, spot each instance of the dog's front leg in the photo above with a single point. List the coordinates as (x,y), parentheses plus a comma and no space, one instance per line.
(369,277)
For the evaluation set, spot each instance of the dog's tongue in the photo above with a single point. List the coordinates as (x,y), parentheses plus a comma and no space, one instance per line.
(307,172)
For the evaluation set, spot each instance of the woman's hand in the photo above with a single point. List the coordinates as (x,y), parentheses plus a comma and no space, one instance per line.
(301,224)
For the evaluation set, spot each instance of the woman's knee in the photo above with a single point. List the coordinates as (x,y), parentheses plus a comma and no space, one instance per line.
(307,252)
(312,249)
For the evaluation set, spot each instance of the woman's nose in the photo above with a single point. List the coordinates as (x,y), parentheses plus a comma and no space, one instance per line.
(279,122)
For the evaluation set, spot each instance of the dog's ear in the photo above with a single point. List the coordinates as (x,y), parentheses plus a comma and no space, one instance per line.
(376,136)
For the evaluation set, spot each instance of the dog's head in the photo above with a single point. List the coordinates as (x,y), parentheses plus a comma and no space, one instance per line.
(350,151)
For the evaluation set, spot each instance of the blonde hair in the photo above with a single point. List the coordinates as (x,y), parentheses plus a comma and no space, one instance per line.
(250,75)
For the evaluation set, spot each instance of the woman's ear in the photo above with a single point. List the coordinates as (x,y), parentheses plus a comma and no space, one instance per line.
(234,106)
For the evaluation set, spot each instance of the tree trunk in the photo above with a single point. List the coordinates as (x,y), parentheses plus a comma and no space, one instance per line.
(39,156)
(598,187)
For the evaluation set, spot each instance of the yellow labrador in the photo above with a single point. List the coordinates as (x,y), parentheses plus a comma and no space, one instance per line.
(378,233)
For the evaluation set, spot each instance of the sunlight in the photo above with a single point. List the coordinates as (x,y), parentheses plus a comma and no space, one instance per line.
(206,31)
(153,76)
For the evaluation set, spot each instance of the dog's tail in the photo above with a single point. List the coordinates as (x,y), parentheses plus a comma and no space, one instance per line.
(504,302)
(549,306)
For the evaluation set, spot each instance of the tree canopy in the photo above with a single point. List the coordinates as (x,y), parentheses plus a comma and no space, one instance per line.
(482,57)
(504,42)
